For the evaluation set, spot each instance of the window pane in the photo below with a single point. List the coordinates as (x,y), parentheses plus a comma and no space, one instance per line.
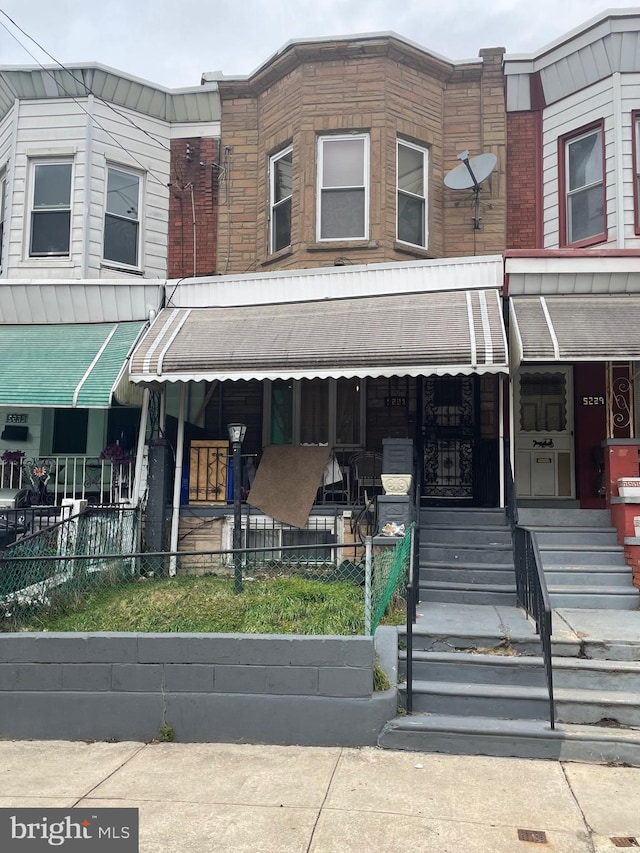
(585,161)
(281,225)
(52,185)
(343,163)
(348,411)
(120,240)
(281,412)
(314,411)
(342,213)
(282,183)
(70,431)
(585,214)
(122,193)
(410,170)
(50,233)
(411,219)
(295,536)
(543,402)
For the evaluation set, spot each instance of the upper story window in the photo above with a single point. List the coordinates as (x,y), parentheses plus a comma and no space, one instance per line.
(122,217)
(50,208)
(343,187)
(280,170)
(412,193)
(3,195)
(584,186)
(636,167)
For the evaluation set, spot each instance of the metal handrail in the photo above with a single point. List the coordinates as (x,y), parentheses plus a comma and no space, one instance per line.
(531,586)
(413,582)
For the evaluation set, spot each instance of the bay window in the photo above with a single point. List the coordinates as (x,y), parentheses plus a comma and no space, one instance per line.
(121,219)
(343,187)
(280,183)
(584,203)
(50,208)
(411,165)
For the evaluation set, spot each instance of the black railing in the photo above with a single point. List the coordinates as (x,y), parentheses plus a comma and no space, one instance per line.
(413,581)
(531,587)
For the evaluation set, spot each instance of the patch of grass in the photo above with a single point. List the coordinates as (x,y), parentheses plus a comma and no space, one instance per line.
(208,604)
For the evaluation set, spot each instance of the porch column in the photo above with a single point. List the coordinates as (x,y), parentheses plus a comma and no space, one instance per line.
(177,482)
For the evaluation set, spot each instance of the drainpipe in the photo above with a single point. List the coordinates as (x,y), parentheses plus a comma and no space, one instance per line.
(142,434)
(177,483)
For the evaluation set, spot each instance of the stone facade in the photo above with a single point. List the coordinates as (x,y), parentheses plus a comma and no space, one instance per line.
(387,89)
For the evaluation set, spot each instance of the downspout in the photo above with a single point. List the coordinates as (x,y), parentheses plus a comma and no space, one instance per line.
(142,434)
(177,483)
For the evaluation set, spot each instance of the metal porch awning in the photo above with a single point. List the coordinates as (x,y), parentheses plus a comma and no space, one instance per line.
(575,328)
(412,334)
(66,365)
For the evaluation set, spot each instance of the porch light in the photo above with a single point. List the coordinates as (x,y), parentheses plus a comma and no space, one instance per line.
(237,433)
(236,437)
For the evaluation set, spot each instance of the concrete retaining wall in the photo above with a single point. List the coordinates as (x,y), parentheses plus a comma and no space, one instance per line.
(206,687)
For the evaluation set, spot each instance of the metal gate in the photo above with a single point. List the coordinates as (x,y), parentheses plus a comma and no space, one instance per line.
(450,433)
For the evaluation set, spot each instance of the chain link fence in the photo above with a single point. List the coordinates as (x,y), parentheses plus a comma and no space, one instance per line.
(56,568)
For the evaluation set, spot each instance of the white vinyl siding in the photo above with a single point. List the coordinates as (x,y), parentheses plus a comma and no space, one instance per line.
(54,129)
(599,102)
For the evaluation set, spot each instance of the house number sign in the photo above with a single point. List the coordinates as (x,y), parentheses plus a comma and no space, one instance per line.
(15,418)
(593,401)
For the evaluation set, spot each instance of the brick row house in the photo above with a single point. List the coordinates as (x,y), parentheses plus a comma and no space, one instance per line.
(354,301)
(572,268)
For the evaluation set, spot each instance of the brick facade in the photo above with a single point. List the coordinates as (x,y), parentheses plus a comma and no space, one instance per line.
(381,87)
(523,204)
(195,176)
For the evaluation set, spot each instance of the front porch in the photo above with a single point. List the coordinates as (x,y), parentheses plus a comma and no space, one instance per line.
(50,480)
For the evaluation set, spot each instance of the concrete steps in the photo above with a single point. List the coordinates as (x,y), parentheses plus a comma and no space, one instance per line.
(583,564)
(466,557)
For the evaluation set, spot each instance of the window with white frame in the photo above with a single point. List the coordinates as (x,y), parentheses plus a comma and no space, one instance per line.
(343,187)
(584,186)
(636,138)
(280,180)
(412,193)
(315,411)
(50,208)
(3,194)
(122,217)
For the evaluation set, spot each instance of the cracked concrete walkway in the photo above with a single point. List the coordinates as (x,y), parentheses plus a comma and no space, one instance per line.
(204,798)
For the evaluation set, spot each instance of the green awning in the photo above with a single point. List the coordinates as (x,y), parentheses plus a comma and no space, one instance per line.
(67,365)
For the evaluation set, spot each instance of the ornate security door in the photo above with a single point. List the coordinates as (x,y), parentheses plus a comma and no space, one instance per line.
(450,433)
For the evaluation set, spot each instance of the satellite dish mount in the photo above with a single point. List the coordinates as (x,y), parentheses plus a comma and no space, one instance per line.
(469,175)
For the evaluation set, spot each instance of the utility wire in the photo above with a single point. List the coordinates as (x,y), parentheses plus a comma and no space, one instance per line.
(145,169)
(87,89)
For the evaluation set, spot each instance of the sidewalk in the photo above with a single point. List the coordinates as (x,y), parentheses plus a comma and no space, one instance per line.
(204,798)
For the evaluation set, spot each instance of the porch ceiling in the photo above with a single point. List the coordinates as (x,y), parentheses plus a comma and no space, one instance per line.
(411,334)
(575,328)
(64,365)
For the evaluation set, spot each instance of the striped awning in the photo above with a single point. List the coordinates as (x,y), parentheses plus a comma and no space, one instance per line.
(411,334)
(575,328)
(66,365)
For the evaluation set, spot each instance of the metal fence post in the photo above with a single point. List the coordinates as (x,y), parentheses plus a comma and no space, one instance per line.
(367,585)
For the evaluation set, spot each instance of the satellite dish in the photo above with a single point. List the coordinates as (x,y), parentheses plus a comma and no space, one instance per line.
(469,175)
(471,171)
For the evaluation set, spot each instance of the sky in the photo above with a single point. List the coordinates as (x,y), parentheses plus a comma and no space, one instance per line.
(172,43)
